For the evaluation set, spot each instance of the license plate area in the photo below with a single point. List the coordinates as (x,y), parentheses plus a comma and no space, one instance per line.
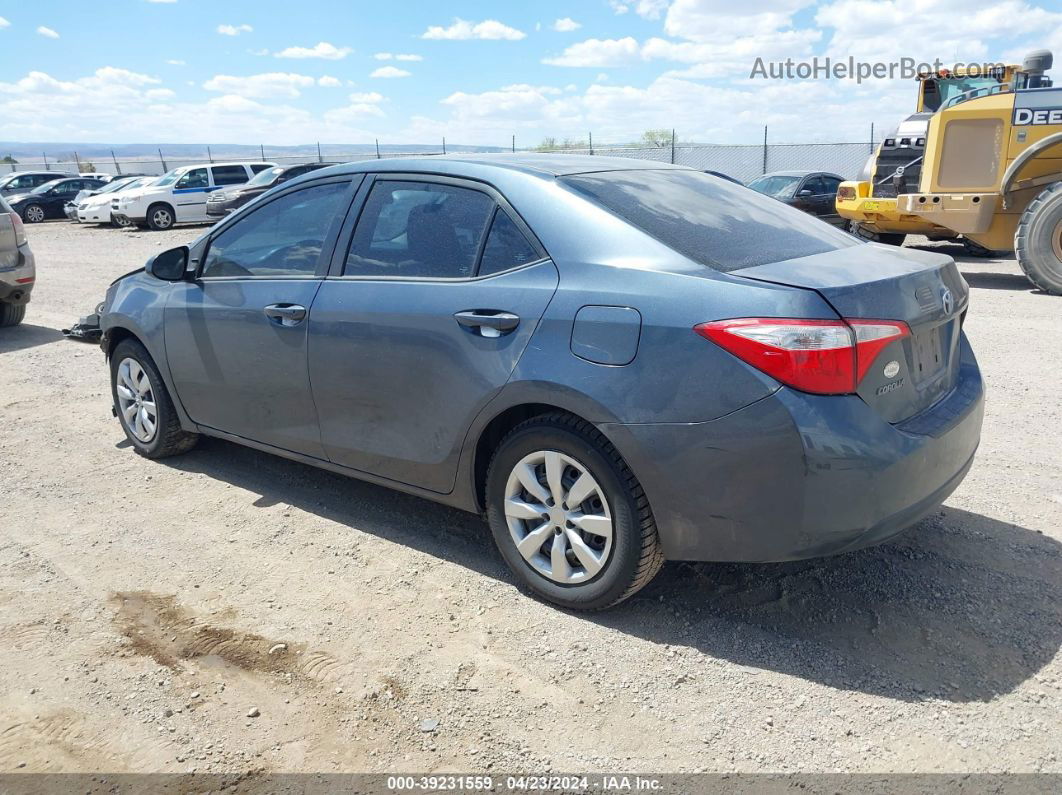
(929,357)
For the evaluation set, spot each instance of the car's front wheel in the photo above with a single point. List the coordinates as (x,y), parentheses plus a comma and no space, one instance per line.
(568,515)
(143,405)
(33,214)
(160,217)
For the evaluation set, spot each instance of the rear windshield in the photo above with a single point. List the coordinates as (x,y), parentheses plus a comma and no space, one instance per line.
(714,222)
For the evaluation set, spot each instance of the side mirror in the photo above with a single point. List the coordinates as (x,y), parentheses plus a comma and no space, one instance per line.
(806,192)
(170,266)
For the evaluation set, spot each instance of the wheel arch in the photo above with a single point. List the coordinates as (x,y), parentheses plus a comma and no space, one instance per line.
(490,432)
(1035,152)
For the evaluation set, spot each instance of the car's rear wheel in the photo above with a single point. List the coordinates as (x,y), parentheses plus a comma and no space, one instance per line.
(160,217)
(33,214)
(12,314)
(569,516)
(143,405)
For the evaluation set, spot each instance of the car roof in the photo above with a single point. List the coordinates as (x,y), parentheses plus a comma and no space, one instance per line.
(544,165)
(229,163)
(800,174)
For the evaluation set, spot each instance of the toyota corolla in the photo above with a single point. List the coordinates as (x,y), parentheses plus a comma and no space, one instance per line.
(616,362)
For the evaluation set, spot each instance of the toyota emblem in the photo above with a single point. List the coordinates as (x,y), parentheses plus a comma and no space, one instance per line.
(947,300)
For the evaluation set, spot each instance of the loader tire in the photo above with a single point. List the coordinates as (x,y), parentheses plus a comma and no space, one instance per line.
(1038,240)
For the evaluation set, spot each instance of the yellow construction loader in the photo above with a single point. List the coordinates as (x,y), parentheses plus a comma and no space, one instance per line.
(869,203)
(992,171)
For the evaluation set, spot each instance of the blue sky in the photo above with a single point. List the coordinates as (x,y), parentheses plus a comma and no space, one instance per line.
(190,71)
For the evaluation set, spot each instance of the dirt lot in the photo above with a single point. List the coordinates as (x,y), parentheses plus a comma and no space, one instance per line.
(148,609)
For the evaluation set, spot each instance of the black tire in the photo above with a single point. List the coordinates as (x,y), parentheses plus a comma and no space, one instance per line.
(33,214)
(1038,240)
(888,238)
(119,225)
(161,217)
(11,314)
(168,439)
(635,555)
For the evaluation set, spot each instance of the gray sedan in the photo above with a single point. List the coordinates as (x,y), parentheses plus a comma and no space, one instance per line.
(616,362)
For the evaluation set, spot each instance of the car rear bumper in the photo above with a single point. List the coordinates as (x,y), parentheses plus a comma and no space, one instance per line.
(16,283)
(798,476)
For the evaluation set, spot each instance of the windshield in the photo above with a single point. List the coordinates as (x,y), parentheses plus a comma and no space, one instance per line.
(711,221)
(44,188)
(778,186)
(114,185)
(950,87)
(169,177)
(265,177)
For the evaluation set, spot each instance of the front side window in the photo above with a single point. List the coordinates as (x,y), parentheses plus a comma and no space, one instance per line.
(196,178)
(419,230)
(281,238)
(710,221)
(506,246)
(229,175)
(832,184)
(816,185)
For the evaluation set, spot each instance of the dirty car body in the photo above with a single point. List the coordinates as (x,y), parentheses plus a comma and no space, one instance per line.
(625,315)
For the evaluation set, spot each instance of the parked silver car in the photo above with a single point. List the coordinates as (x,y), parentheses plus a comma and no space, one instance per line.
(17,270)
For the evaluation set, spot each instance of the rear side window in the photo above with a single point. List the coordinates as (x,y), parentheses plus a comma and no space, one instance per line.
(281,238)
(419,230)
(718,224)
(257,168)
(506,246)
(228,175)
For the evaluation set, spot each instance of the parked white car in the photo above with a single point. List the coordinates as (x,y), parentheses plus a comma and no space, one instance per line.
(96,209)
(179,196)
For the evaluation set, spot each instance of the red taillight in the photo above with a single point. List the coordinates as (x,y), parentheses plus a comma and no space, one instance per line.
(827,357)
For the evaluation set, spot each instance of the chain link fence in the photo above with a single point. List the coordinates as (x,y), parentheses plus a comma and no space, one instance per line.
(743,162)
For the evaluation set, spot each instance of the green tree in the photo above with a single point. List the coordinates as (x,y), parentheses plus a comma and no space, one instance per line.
(87,167)
(656,138)
(548,143)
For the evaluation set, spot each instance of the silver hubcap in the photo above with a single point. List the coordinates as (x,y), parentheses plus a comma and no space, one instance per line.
(136,401)
(35,214)
(161,217)
(558,517)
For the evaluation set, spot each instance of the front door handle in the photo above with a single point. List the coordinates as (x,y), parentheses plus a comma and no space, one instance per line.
(488,322)
(285,314)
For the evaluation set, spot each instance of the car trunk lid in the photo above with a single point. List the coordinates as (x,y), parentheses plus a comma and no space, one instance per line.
(920,288)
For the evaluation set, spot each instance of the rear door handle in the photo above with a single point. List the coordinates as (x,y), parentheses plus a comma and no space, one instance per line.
(488,322)
(286,314)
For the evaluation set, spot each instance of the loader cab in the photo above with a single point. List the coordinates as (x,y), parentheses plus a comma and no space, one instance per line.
(938,89)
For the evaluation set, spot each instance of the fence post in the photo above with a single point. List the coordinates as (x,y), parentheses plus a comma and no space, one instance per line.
(210,157)
(872,137)
(46,166)
(319,158)
(765,149)
(590,135)
(514,143)
(163,161)
(77,162)
(117,168)
(444,144)
(377,148)
(672,146)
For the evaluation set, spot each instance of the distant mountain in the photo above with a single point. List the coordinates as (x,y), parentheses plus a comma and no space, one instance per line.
(21,150)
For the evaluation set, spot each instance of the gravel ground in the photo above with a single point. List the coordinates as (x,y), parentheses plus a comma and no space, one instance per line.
(232,611)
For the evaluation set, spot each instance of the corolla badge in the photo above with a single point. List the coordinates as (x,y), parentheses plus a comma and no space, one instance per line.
(891,369)
(947,300)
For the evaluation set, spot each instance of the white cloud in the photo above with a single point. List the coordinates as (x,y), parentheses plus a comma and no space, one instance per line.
(390,71)
(370,97)
(618,7)
(4,23)
(721,21)
(261,86)
(175,62)
(234,30)
(48,33)
(321,50)
(156,94)
(327,81)
(598,52)
(402,56)
(462,29)
(566,25)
